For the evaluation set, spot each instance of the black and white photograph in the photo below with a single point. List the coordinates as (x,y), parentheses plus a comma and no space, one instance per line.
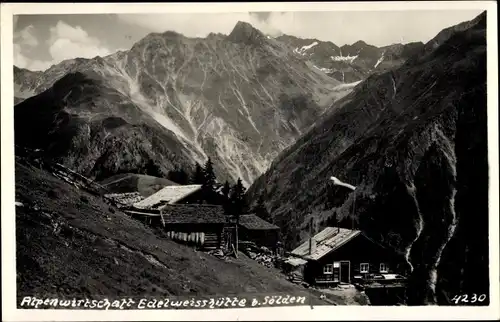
(249,157)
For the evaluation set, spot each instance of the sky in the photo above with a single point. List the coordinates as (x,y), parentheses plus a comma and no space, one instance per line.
(43,40)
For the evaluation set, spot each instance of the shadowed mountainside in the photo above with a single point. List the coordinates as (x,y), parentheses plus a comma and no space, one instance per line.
(414,142)
(131,182)
(70,243)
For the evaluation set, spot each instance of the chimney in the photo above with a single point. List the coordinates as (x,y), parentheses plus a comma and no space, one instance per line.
(336,221)
(312,242)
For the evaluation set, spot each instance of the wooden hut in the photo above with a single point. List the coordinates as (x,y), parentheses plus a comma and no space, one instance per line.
(255,229)
(338,255)
(195,224)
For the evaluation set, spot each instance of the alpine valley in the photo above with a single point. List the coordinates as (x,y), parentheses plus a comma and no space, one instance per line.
(413,140)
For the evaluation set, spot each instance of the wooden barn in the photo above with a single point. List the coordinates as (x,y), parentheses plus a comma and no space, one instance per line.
(255,229)
(201,225)
(338,255)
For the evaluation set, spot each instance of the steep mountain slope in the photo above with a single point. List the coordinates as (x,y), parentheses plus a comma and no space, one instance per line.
(414,142)
(131,182)
(85,123)
(69,243)
(172,100)
(350,63)
(25,83)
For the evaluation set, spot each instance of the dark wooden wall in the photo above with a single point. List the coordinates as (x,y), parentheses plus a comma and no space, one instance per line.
(213,232)
(267,238)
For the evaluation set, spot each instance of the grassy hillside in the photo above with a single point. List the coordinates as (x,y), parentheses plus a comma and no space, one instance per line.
(132,182)
(70,242)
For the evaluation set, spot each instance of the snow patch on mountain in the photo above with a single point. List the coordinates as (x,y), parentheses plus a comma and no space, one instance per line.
(324,70)
(347,86)
(302,50)
(379,61)
(349,59)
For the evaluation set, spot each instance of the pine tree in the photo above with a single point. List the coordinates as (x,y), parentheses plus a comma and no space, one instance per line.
(198,176)
(209,185)
(236,206)
(179,175)
(226,189)
(210,181)
(237,199)
(183,177)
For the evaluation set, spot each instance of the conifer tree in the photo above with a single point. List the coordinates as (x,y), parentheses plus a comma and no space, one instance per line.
(237,198)
(179,175)
(198,176)
(210,181)
(209,184)
(226,189)
(236,205)
(183,177)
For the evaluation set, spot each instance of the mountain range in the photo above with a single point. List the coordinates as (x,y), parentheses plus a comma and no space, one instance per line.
(171,101)
(350,63)
(413,140)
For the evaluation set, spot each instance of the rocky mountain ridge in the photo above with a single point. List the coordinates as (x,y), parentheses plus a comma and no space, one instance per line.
(171,101)
(350,63)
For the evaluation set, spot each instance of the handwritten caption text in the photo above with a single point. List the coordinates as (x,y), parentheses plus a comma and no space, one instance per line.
(163,303)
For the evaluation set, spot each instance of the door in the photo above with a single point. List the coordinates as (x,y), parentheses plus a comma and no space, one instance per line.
(345,272)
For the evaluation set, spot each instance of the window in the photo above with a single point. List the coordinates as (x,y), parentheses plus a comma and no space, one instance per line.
(363,267)
(328,269)
(383,268)
(336,271)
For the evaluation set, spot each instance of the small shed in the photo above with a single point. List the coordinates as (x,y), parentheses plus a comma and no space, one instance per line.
(261,232)
(294,265)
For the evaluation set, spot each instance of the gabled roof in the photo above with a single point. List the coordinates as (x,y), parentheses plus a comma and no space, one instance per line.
(168,195)
(329,239)
(194,214)
(127,198)
(254,222)
(186,214)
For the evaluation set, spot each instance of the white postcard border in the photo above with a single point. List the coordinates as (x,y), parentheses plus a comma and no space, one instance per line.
(9,311)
